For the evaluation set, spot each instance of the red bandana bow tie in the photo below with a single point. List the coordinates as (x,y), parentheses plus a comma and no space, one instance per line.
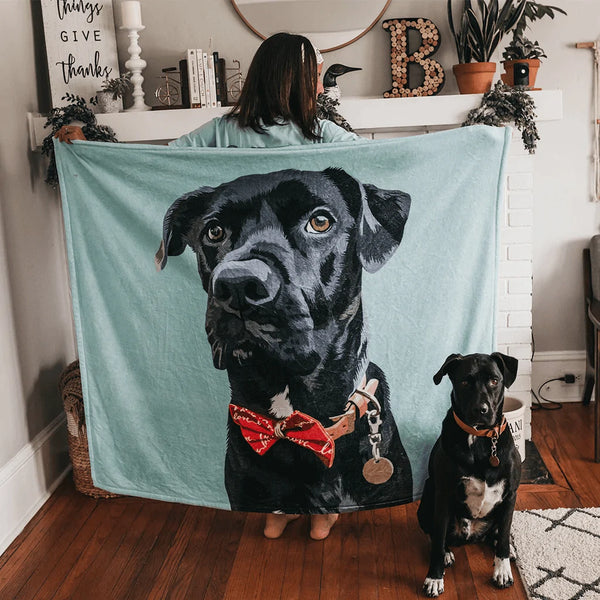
(263,432)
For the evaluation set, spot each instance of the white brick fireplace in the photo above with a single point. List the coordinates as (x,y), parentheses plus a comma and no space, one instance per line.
(393,117)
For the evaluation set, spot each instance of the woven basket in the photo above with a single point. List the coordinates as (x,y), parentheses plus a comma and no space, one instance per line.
(70,389)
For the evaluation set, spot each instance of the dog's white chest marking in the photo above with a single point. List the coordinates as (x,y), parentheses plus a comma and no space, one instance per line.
(471,440)
(281,406)
(481,497)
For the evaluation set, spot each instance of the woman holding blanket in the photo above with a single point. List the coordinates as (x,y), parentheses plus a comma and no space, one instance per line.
(277,107)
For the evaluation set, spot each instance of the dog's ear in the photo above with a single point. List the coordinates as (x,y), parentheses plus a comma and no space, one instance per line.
(446,367)
(508,365)
(384,215)
(177,222)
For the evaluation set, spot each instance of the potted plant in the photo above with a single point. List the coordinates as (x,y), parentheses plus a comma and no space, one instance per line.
(521,49)
(503,105)
(79,113)
(476,41)
(110,97)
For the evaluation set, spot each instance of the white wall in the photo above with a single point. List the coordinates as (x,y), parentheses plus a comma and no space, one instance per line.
(36,338)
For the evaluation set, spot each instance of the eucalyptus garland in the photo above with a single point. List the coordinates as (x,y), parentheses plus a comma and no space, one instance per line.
(503,105)
(77,110)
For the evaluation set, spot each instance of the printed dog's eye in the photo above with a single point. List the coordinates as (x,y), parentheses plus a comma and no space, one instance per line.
(494,381)
(319,223)
(464,382)
(215,233)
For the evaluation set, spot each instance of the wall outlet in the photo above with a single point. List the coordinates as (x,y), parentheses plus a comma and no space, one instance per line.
(579,378)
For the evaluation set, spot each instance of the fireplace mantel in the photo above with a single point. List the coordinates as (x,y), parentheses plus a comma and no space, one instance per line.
(370,115)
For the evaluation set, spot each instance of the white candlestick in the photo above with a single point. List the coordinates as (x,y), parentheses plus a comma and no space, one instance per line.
(131,14)
(136,65)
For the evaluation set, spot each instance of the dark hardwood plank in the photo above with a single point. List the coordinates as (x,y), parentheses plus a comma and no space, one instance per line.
(168,570)
(138,545)
(41,560)
(81,554)
(18,553)
(225,529)
(42,519)
(194,553)
(229,536)
(297,547)
(97,579)
(141,584)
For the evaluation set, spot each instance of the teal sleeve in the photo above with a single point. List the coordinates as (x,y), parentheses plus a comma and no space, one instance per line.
(330,132)
(204,136)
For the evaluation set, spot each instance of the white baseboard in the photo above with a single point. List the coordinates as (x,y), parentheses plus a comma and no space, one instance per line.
(551,365)
(30,477)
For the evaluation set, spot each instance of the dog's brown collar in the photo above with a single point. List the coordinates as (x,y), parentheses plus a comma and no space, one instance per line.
(356,408)
(493,432)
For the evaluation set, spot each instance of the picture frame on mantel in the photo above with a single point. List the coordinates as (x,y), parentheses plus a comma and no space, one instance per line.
(81,46)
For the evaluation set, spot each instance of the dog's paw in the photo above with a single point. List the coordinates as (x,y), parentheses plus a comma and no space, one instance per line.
(433,587)
(502,576)
(448,559)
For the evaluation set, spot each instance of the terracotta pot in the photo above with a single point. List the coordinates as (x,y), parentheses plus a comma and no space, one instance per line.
(474,78)
(508,76)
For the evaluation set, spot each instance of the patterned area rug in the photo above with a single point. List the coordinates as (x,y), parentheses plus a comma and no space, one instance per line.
(558,552)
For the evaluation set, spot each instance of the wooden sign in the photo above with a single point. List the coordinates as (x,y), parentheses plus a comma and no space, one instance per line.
(403,61)
(80,45)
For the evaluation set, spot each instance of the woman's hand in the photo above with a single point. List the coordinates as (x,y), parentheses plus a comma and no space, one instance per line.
(68,133)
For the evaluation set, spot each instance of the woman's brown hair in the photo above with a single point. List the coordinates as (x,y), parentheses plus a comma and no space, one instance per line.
(281,86)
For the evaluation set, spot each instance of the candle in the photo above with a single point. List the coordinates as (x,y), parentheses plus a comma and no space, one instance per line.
(131,14)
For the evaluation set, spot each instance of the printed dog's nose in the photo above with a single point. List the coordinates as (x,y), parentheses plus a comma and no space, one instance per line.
(484,409)
(244,283)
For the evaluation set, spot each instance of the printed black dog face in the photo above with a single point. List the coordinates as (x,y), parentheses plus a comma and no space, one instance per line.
(280,256)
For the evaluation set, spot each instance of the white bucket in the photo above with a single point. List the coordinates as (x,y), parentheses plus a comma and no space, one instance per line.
(514,411)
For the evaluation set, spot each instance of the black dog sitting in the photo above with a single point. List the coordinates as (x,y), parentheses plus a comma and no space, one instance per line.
(474,468)
(280,256)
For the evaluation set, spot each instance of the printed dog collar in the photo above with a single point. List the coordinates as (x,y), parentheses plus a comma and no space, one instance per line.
(262,432)
(494,433)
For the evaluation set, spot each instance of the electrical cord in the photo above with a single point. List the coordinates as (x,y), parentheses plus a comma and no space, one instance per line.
(551,404)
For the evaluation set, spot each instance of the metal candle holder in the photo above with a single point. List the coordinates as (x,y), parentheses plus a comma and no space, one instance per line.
(136,65)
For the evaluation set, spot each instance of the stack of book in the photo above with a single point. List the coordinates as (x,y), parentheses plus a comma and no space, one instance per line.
(203,79)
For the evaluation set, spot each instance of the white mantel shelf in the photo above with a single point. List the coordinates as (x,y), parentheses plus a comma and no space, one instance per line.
(365,114)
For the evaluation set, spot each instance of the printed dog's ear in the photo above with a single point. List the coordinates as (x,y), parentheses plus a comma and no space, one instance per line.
(508,365)
(177,222)
(446,367)
(384,215)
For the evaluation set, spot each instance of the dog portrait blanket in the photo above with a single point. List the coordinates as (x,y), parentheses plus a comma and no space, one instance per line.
(277,352)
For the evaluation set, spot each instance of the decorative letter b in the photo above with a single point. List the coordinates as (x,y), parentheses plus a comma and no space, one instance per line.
(401,60)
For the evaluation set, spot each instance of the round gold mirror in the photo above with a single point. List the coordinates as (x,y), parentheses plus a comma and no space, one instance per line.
(329,24)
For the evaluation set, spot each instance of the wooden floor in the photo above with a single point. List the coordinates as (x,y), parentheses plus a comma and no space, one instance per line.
(77,548)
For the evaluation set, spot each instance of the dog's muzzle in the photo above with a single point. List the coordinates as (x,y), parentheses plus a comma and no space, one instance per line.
(244,284)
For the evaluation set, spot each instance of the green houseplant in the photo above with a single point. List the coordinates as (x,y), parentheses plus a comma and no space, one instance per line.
(78,112)
(483,24)
(110,97)
(503,105)
(521,49)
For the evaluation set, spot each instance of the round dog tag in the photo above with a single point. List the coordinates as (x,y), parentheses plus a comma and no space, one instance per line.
(494,461)
(378,471)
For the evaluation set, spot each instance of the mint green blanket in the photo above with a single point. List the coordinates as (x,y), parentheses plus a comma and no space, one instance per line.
(159,390)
